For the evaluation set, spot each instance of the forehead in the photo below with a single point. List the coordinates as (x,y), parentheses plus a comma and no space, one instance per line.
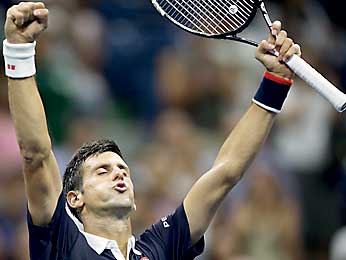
(102,158)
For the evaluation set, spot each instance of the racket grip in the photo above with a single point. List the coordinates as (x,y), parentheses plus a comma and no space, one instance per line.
(315,80)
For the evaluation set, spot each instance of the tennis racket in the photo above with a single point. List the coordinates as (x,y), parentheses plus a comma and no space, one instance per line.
(224,19)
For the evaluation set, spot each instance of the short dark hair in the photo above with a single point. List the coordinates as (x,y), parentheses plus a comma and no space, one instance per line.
(73,176)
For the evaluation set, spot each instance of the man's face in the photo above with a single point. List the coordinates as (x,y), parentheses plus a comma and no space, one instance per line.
(107,186)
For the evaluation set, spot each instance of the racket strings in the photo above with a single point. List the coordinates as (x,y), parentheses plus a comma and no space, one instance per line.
(209,16)
(222,9)
(213,17)
(241,17)
(191,15)
(198,16)
(217,18)
(194,15)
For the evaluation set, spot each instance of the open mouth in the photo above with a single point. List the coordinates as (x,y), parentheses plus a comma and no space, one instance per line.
(120,187)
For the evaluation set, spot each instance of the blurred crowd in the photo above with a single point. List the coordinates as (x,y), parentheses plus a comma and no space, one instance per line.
(116,69)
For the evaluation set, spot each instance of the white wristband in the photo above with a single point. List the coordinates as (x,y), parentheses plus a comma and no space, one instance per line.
(19,59)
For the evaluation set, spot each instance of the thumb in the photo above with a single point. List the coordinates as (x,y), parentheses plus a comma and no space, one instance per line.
(39,24)
(263,48)
(34,30)
(41,15)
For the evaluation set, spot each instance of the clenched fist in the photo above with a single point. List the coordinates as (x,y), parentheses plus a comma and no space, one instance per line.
(25,22)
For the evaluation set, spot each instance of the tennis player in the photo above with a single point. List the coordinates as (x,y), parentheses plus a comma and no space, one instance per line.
(87,215)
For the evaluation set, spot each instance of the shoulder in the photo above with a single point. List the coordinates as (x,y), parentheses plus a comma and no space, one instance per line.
(55,238)
(168,223)
(171,236)
(58,214)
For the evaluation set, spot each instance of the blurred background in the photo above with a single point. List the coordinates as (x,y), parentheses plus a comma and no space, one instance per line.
(116,69)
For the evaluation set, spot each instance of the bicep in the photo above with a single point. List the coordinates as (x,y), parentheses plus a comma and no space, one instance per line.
(43,186)
(204,198)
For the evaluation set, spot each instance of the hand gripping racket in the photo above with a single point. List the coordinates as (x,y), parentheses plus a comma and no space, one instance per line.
(224,19)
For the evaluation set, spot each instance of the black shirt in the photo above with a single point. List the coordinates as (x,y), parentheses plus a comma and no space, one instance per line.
(168,239)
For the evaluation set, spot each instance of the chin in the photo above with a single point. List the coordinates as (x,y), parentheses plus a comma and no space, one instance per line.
(126,205)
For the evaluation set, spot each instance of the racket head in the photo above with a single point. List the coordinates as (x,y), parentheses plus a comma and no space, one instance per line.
(209,18)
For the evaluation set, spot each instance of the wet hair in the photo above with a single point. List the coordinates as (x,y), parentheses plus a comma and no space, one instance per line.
(73,176)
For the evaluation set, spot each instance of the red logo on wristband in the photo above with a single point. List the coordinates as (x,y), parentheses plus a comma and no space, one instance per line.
(11,67)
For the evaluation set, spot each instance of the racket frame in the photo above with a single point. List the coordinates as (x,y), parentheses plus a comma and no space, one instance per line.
(228,35)
(312,77)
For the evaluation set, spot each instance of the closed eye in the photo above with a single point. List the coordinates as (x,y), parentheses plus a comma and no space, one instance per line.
(101,171)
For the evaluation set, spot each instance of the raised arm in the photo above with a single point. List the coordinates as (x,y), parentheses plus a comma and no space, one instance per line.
(24,24)
(246,138)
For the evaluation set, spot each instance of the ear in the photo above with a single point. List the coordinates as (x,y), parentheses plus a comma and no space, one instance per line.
(134,207)
(75,199)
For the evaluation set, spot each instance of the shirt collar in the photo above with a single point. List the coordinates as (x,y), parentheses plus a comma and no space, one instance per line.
(99,244)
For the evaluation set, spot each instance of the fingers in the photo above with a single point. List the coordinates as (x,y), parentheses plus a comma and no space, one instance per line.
(276,27)
(294,49)
(25,22)
(280,38)
(34,30)
(286,45)
(40,23)
(16,16)
(283,45)
(277,48)
(42,16)
(30,6)
(24,12)
(265,46)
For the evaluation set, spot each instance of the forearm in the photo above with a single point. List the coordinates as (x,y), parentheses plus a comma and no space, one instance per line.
(245,141)
(43,185)
(247,137)
(29,118)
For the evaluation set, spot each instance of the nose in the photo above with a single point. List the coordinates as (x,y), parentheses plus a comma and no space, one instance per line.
(118,174)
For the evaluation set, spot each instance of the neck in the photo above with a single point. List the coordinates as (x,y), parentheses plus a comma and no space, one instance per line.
(110,228)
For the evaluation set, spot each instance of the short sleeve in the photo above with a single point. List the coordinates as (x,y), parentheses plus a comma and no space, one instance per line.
(174,235)
(52,241)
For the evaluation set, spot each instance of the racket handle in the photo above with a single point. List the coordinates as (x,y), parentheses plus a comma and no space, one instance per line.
(315,80)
